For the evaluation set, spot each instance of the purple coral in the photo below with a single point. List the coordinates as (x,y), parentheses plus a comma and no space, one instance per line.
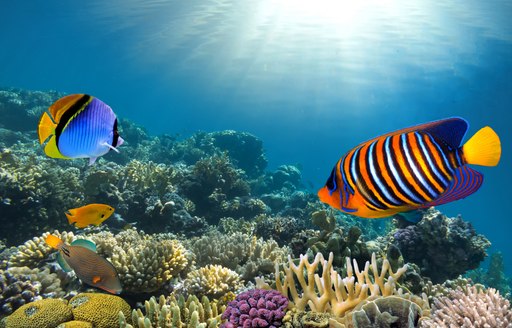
(256,308)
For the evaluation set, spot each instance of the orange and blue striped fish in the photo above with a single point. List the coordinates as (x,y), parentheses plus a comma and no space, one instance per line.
(411,169)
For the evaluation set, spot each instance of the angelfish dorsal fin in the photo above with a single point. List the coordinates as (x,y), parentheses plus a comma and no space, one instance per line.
(451,130)
(85,244)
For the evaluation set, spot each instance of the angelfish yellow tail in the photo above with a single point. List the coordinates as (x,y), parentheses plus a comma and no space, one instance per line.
(54,241)
(483,148)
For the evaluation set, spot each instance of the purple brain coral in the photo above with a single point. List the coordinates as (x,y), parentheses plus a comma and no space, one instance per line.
(256,308)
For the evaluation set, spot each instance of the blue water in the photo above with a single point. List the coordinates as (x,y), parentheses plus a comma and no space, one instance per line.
(311,78)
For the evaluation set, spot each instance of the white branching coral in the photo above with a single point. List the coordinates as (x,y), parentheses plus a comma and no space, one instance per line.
(212,281)
(331,293)
(471,307)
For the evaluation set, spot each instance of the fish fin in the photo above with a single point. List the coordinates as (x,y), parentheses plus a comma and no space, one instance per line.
(45,128)
(483,148)
(465,182)
(330,198)
(62,105)
(63,264)
(110,146)
(96,279)
(70,217)
(54,241)
(450,130)
(85,244)
(413,216)
(92,160)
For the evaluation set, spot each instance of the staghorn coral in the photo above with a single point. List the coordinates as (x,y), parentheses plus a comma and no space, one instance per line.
(40,314)
(176,312)
(256,308)
(462,248)
(102,310)
(329,292)
(212,281)
(35,250)
(144,264)
(247,255)
(471,307)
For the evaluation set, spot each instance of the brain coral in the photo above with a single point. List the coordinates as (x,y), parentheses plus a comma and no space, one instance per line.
(102,310)
(40,314)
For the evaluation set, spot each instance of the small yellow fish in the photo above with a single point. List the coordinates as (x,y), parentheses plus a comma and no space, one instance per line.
(89,214)
(91,268)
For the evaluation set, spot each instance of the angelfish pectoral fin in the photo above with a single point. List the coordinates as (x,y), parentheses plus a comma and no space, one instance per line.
(414,216)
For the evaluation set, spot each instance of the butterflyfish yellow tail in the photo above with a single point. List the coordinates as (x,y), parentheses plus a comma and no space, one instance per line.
(54,241)
(46,127)
(483,148)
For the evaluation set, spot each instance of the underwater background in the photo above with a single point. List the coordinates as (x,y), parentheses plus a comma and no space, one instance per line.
(307,79)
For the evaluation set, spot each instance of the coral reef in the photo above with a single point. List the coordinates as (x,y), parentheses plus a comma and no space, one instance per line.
(176,312)
(462,248)
(144,263)
(213,281)
(471,307)
(256,308)
(248,256)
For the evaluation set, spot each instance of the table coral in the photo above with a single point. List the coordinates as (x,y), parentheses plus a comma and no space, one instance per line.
(176,312)
(329,292)
(40,314)
(102,310)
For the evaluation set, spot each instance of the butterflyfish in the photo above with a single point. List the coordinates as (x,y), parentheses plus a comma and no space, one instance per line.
(89,267)
(89,214)
(79,126)
(411,169)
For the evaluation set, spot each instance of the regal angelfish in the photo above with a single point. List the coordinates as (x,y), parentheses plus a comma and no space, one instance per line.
(411,169)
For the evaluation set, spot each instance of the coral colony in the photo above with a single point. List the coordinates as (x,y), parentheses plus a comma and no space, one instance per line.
(204,235)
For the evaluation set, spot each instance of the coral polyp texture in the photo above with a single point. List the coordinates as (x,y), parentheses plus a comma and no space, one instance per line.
(256,308)
(471,307)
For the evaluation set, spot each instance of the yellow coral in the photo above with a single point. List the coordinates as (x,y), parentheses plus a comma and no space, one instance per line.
(35,250)
(172,312)
(75,324)
(212,281)
(331,293)
(102,310)
(40,314)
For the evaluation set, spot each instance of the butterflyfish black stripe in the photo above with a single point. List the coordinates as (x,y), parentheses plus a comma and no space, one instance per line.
(115,140)
(72,111)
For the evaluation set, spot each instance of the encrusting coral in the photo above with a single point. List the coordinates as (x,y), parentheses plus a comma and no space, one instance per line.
(329,292)
(177,312)
(102,310)
(471,307)
(144,263)
(40,314)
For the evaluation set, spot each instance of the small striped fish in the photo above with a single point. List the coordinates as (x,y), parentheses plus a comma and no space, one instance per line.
(79,126)
(409,169)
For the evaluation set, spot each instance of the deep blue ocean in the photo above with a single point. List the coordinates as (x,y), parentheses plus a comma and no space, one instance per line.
(312,79)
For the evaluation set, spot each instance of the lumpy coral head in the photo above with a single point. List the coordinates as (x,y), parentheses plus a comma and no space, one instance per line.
(256,308)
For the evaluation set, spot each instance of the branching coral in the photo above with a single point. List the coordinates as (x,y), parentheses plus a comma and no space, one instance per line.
(471,308)
(143,263)
(176,312)
(329,292)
